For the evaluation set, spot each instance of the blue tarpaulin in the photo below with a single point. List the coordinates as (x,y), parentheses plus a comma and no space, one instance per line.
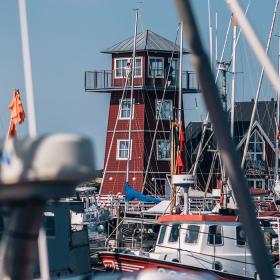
(131,194)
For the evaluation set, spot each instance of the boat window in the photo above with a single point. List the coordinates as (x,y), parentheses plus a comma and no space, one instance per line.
(240,236)
(174,234)
(162,234)
(215,235)
(192,233)
(49,223)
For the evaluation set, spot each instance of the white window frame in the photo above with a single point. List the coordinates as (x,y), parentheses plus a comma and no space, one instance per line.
(118,149)
(156,57)
(158,114)
(254,153)
(163,159)
(120,109)
(128,59)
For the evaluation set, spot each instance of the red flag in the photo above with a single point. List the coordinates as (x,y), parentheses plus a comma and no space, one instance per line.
(17,113)
(180,164)
(181,139)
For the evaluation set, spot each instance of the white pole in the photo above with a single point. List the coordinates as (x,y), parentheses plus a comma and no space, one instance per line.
(42,239)
(27,69)
(180,76)
(210,34)
(233,78)
(216,38)
(277,123)
(255,44)
(131,95)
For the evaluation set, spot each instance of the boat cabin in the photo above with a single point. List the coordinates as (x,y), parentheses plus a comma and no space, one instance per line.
(209,241)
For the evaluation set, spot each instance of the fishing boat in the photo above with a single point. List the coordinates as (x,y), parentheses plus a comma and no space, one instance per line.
(192,242)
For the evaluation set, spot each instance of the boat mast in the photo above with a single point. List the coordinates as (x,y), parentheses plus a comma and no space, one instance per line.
(180,99)
(277,125)
(131,95)
(32,128)
(233,78)
(210,33)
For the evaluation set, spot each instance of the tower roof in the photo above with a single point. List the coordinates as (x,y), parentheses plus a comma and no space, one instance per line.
(145,41)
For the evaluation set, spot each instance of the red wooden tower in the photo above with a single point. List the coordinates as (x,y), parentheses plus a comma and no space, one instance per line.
(154,55)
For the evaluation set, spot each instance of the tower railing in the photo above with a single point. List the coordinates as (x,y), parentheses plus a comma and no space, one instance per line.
(104,80)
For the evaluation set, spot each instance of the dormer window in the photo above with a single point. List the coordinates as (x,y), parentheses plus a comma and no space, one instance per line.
(123,67)
(256,149)
(156,67)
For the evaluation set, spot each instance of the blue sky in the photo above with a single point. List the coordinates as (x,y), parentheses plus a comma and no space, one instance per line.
(66,37)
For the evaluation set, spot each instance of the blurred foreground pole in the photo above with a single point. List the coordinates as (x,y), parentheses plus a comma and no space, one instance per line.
(237,181)
(19,244)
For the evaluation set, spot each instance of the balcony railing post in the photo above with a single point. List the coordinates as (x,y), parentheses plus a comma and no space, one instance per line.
(103,78)
(94,79)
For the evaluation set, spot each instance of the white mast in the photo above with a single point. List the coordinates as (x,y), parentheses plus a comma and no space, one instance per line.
(277,124)
(216,38)
(27,69)
(32,128)
(131,95)
(233,78)
(180,99)
(180,76)
(210,34)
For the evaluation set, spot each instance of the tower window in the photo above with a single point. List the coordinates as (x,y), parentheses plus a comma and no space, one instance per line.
(123,67)
(164,109)
(163,149)
(122,149)
(125,108)
(156,67)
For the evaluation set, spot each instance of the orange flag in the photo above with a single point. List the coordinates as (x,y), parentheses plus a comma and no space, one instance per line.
(17,113)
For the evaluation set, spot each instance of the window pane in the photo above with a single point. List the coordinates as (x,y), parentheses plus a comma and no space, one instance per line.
(250,183)
(259,184)
(156,67)
(125,109)
(49,224)
(164,111)
(174,234)
(259,147)
(192,234)
(215,235)
(259,157)
(123,149)
(240,236)
(163,149)
(162,234)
